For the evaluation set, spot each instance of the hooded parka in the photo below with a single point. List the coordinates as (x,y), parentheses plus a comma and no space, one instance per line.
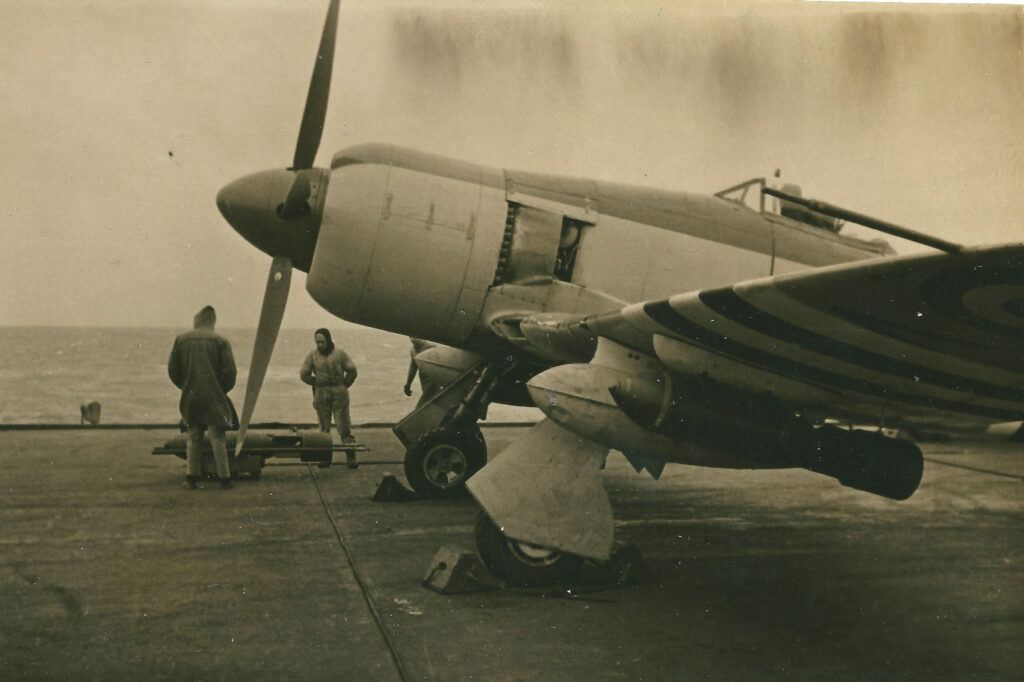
(203,367)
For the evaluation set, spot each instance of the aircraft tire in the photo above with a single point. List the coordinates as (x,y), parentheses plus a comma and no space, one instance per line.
(439,463)
(521,564)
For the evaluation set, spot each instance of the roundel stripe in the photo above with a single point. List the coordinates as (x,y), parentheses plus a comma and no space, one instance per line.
(663,314)
(727,303)
(774,302)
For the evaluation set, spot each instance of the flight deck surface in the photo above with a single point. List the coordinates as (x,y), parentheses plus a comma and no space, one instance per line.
(111,570)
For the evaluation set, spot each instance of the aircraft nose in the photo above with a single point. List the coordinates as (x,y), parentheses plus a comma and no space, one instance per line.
(233,200)
(252,205)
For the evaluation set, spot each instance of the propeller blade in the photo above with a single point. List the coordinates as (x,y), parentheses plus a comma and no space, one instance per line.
(319,88)
(296,203)
(274,301)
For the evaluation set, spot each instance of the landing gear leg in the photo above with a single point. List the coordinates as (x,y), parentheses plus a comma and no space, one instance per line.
(447,448)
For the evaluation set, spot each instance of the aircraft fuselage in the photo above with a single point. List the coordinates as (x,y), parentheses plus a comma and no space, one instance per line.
(431,247)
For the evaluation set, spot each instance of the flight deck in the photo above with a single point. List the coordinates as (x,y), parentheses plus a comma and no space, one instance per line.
(112,571)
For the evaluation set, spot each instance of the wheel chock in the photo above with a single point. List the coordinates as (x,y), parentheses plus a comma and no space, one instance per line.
(390,489)
(455,570)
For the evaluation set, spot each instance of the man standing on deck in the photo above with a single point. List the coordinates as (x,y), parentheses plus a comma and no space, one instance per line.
(427,387)
(330,372)
(203,367)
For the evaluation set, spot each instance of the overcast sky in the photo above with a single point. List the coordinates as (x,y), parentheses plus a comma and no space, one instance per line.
(120,120)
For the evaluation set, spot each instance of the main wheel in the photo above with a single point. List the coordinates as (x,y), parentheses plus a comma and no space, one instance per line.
(522,564)
(441,461)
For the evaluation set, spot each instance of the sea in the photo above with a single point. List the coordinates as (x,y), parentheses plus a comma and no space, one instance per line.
(46,373)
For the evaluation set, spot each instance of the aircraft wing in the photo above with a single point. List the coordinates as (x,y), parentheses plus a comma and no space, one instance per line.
(884,340)
(746,376)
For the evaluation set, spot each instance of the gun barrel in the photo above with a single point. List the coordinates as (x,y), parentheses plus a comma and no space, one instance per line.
(867,221)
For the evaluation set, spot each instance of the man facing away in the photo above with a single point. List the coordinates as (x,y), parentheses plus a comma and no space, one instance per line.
(203,367)
(330,372)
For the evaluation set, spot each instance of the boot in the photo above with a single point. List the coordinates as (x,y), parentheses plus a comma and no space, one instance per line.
(191,482)
(225,483)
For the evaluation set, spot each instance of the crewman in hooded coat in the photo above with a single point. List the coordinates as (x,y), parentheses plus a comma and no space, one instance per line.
(330,371)
(203,367)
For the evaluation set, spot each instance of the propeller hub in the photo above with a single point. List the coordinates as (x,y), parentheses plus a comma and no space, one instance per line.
(277,211)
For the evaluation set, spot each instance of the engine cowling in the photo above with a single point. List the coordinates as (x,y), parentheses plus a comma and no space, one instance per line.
(408,242)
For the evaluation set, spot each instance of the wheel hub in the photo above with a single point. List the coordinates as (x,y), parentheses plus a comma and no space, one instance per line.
(534,555)
(445,465)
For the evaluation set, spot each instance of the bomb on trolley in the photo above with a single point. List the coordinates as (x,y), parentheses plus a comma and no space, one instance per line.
(311,447)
